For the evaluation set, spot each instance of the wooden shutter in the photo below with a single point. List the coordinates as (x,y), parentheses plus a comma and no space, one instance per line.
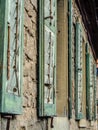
(47,57)
(70,24)
(89,84)
(79,72)
(11,56)
(2,29)
(95,85)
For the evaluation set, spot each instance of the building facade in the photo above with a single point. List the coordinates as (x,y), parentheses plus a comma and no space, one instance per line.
(48,65)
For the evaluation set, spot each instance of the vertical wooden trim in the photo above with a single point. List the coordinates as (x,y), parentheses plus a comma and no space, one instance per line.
(41,57)
(88,110)
(95,85)
(22,51)
(87,84)
(84,81)
(79,71)
(76,82)
(2,48)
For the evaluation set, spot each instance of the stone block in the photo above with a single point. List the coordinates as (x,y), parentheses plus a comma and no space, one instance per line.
(59,123)
(83,123)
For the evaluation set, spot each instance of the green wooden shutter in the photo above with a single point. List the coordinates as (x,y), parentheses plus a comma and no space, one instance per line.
(70,57)
(95,84)
(79,67)
(11,57)
(2,29)
(89,84)
(47,57)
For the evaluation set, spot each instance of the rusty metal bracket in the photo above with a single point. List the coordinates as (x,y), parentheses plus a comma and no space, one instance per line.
(8,117)
(8,53)
(49,17)
(51,125)
(8,124)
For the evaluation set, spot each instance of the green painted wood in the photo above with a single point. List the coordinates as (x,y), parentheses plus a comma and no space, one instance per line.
(79,74)
(41,55)
(89,84)
(97,102)
(2,40)
(87,81)
(70,23)
(2,29)
(11,86)
(95,99)
(47,57)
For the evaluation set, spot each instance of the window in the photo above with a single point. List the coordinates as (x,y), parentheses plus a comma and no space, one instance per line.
(11,49)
